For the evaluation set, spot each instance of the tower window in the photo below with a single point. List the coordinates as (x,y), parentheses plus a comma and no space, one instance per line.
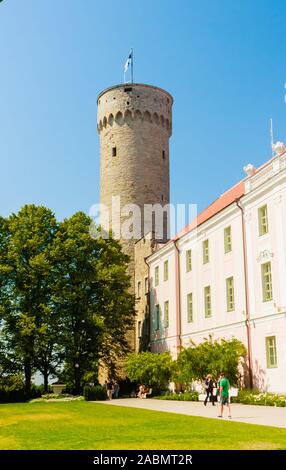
(114,151)
(127,89)
(127,102)
(163,154)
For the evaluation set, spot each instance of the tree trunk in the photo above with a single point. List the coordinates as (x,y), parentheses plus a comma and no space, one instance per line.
(77,380)
(46,380)
(28,376)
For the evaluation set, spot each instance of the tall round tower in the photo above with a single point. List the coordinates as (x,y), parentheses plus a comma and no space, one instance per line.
(134,125)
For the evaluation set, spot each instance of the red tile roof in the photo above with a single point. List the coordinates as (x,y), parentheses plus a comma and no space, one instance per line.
(221,203)
(218,205)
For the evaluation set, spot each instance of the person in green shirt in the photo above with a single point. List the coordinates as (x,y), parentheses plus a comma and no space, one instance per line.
(224,387)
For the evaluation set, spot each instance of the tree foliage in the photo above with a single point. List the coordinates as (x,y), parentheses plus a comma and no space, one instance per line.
(24,286)
(91,295)
(149,368)
(210,357)
(64,300)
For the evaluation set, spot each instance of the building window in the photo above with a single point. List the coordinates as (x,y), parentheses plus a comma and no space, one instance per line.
(138,289)
(208,304)
(266,282)
(190,307)
(163,154)
(188,260)
(206,256)
(166,270)
(271,352)
(166,314)
(227,239)
(114,151)
(230,294)
(157,317)
(157,276)
(263,220)
(139,329)
(146,284)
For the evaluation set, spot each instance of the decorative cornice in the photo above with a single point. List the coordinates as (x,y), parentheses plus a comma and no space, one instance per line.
(130,115)
(264,256)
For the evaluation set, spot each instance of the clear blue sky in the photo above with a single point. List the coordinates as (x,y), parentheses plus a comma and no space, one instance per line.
(223,61)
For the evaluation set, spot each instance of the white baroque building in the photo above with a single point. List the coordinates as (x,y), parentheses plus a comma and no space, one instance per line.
(225,275)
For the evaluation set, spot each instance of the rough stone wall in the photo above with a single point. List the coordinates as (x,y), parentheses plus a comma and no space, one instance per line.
(143,248)
(136,120)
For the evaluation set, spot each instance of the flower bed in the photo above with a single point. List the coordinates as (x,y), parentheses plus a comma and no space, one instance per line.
(57,397)
(249,397)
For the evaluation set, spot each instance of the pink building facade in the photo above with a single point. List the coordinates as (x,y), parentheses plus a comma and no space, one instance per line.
(225,276)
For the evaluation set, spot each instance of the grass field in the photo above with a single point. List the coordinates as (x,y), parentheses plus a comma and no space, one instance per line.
(83,425)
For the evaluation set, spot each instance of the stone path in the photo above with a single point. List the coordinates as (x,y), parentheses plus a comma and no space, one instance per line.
(265,415)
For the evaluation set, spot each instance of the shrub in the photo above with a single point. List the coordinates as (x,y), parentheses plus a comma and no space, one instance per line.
(91,393)
(209,357)
(12,390)
(254,397)
(187,396)
(151,369)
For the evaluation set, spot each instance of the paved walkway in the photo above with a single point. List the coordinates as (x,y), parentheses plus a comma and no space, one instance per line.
(265,415)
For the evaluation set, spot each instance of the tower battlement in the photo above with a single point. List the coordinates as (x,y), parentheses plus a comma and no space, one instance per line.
(134,103)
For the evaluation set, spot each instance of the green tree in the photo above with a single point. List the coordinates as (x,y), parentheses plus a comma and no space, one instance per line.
(91,295)
(210,357)
(149,368)
(24,281)
(65,305)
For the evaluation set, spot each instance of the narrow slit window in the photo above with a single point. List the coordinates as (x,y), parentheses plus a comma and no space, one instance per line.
(163,154)
(114,151)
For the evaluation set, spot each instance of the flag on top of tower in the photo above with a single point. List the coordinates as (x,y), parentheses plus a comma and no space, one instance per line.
(128,62)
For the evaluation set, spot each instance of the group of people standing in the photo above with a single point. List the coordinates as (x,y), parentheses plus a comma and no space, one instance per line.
(112,389)
(221,389)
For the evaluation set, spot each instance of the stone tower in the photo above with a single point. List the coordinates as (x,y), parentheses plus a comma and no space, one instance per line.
(134,124)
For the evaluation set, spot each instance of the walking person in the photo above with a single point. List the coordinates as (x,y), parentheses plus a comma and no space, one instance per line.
(109,389)
(224,386)
(116,389)
(209,386)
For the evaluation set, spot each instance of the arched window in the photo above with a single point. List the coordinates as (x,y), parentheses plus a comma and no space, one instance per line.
(119,118)
(110,119)
(127,116)
(147,116)
(156,118)
(137,115)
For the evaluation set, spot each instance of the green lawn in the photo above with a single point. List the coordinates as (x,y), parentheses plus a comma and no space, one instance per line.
(84,425)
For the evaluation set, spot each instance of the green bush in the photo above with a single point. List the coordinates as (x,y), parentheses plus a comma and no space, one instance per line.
(254,397)
(187,396)
(12,390)
(209,357)
(151,369)
(91,393)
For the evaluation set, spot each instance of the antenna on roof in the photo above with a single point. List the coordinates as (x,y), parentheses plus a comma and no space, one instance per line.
(271,136)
